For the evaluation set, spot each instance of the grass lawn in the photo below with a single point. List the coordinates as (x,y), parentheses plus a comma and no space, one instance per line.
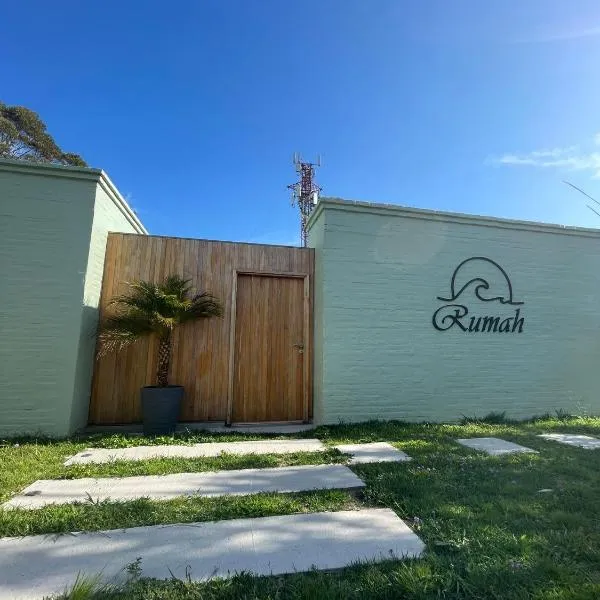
(516,527)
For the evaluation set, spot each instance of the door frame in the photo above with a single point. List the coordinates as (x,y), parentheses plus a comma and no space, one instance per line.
(307,351)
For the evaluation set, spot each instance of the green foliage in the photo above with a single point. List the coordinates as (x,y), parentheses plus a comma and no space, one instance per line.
(106,515)
(493,418)
(87,587)
(226,461)
(563,415)
(93,587)
(23,136)
(155,309)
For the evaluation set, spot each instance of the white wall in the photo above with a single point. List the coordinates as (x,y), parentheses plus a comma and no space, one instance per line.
(383,268)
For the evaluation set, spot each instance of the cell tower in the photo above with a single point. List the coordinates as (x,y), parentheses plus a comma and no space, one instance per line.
(305,193)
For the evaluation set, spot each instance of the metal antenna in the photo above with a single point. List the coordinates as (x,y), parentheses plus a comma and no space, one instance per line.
(305,193)
(586,195)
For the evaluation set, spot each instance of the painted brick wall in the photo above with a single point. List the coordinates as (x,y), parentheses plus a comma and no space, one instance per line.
(382,270)
(111,213)
(51,219)
(316,240)
(45,224)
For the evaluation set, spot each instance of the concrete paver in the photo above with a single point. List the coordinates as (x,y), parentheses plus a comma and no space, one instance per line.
(581,441)
(494,446)
(137,453)
(166,487)
(373,452)
(38,566)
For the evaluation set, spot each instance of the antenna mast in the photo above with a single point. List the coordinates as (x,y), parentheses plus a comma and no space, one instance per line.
(305,193)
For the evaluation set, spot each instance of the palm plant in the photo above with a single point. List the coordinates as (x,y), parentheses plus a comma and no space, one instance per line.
(155,309)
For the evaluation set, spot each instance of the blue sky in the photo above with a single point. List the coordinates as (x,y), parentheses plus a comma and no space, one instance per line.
(195,108)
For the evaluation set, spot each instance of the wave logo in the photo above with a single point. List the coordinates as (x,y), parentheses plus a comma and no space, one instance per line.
(485,280)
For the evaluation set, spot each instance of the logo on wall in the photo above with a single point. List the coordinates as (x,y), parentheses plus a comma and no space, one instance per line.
(475,283)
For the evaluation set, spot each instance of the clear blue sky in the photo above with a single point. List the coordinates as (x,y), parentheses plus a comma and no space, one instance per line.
(195,108)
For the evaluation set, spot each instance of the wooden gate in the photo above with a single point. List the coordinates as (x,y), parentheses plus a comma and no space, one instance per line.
(204,351)
(270,339)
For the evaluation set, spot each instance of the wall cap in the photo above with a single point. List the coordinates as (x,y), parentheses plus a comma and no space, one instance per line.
(70,172)
(396,210)
(113,193)
(48,169)
(234,242)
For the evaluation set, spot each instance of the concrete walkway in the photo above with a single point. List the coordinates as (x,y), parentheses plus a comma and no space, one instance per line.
(373,453)
(494,446)
(37,566)
(137,453)
(167,487)
(580,441)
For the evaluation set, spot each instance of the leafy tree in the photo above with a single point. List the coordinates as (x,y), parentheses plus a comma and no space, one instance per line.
(23,136)
(155,309)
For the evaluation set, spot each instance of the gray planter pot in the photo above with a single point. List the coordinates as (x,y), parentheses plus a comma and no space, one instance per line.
(160,409)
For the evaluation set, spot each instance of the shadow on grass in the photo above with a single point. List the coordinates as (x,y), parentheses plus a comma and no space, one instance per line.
(98,516)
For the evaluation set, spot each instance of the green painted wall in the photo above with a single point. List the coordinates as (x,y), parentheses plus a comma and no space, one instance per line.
(316,240)
(53,225)
(111,213)
(381,271)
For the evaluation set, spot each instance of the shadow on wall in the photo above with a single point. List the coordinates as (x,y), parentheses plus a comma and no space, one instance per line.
(84,368)
(408,249)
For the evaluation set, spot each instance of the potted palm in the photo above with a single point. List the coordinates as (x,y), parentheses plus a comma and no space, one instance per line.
(156,309)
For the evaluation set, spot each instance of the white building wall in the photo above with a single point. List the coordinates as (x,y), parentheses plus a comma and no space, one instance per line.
(383,269)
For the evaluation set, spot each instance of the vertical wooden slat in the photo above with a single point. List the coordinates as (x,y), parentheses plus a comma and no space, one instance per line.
(95,414)
(141,259)
(307,350)
(202,354)
(115,392)
(231,361)
(268,361)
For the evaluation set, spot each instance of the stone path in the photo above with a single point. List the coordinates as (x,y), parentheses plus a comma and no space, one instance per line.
(581,441)
(494,446)
(37,566)
(361,453)
(165,487)
(137,453)
(373,452)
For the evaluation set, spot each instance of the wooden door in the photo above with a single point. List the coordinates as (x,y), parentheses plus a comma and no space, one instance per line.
(270,349)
